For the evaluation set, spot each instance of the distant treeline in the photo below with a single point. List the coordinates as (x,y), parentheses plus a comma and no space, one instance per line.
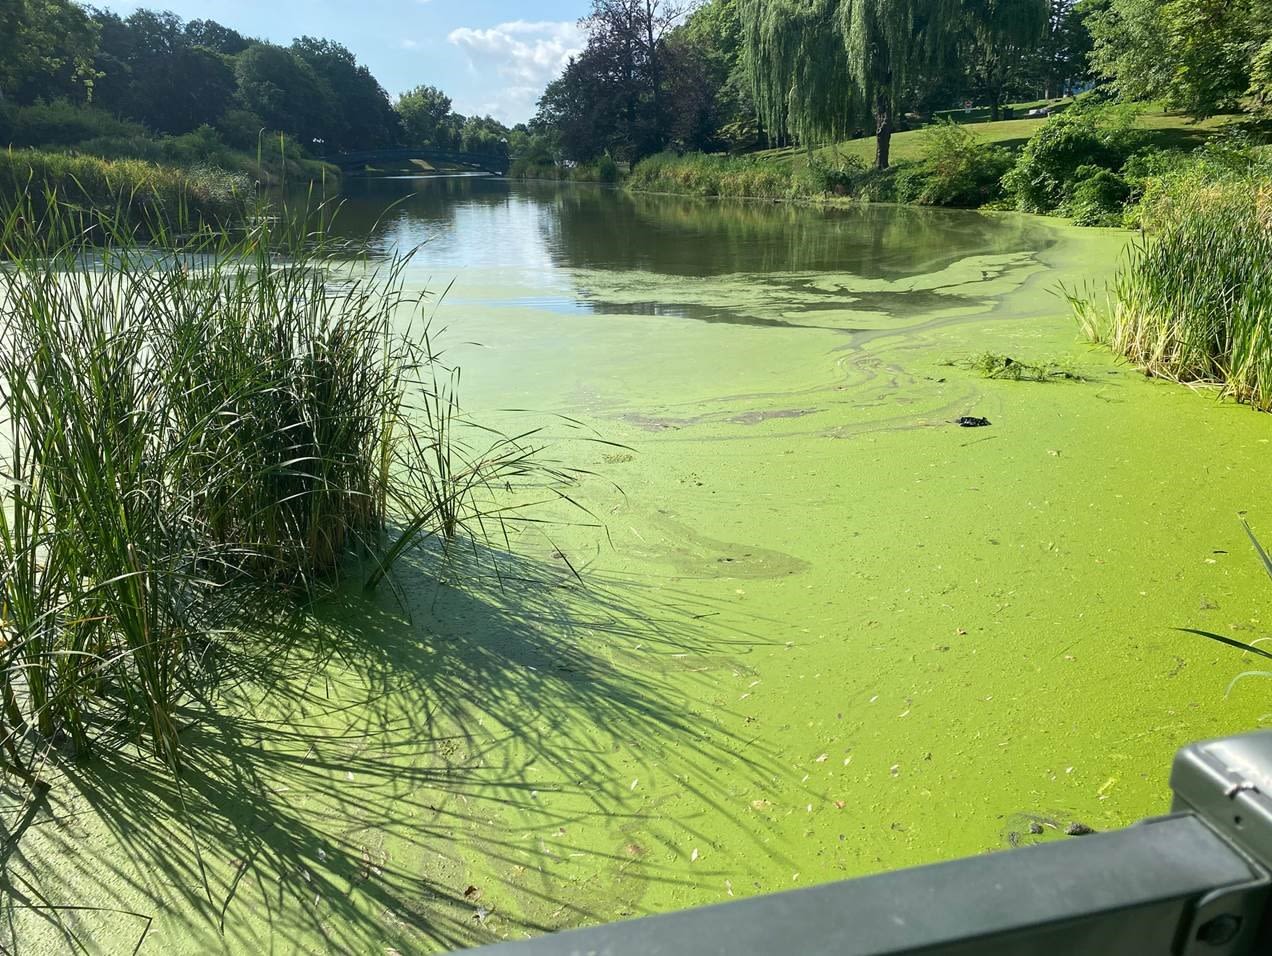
(73,76)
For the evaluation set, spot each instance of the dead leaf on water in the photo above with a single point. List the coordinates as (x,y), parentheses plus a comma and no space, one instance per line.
(472,893)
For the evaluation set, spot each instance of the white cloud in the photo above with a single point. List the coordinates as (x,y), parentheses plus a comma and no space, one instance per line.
(527,54)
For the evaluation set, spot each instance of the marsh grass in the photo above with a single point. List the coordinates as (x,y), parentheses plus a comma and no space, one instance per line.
(195,426)
(1193,300)
(122,193)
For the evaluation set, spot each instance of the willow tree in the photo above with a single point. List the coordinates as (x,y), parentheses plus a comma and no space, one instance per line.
(822,68)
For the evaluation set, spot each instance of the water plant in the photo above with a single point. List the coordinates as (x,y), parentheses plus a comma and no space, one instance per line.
(995,365)
(200,423)
(1193,300)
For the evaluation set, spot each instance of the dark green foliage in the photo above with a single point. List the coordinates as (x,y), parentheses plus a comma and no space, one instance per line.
(1046,172)
(60,124)
(46,50)
(363,117)
(837,179)
(1201,56)
(284,91)
(1098,197)
(956,170)
(607,170)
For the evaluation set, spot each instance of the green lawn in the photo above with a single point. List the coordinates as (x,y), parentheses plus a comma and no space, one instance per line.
(1169,131)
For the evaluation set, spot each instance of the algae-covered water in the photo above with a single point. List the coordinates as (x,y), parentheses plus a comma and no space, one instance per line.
(817,630)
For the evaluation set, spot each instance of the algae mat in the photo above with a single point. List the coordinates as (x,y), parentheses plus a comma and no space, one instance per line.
(823,631)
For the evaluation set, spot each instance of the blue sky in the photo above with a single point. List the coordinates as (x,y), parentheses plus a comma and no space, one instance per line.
(490,56)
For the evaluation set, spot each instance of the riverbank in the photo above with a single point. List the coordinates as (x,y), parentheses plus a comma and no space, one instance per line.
(127,192)
(948,164)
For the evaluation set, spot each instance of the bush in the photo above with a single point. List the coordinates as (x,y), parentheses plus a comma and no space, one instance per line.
(824,179)
(1046,172)
(956,169)
(1099,198)
(61,124)
(606,170)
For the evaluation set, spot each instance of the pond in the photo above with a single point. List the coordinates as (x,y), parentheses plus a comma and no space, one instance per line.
(807,627)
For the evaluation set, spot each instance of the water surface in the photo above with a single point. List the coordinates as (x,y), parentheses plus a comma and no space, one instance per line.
(817,629)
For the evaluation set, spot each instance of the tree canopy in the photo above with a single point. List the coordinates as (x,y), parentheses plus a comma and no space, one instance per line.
(823,68)
(1202,56)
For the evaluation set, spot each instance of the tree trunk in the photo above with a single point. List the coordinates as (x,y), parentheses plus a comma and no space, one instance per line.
(995,110)
(883,135)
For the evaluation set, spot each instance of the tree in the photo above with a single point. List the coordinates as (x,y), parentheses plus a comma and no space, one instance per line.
(151,52)
(1201,55)
(713,35)
(284,91)
(1062,57)
(364,116)
(46,50)
(821,67)
(212,36)
(1002,36)
(423,113)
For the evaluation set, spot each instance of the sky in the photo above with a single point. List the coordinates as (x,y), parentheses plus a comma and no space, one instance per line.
(490,56)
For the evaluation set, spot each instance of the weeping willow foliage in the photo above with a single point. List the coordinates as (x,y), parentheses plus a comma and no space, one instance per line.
(823,67)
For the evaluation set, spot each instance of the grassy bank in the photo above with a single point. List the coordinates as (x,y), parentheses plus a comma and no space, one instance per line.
(144,195)
(193,429)
(269,158)
(955,164)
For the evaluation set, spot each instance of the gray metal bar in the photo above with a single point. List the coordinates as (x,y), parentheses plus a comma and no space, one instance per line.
(1135,892)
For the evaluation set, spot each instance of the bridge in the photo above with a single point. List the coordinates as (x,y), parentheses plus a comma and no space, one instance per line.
(487,162)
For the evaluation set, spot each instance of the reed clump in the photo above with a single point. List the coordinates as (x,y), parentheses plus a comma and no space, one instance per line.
(1193,301)
(188,426)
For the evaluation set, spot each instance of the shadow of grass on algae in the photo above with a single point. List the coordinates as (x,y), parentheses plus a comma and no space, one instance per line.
(468,763)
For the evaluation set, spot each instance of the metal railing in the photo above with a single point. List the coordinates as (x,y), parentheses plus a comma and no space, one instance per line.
(1195,883)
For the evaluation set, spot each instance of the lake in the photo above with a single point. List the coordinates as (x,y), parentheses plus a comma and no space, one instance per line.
(802,626)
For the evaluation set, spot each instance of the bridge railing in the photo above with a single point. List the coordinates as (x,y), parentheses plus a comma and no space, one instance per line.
(1195,883)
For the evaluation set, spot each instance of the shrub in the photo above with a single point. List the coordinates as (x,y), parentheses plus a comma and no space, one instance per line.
(61,124)
(700,174)
(606,169)
(1046,172)
(1098,198)
(956,169)
(838,179)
